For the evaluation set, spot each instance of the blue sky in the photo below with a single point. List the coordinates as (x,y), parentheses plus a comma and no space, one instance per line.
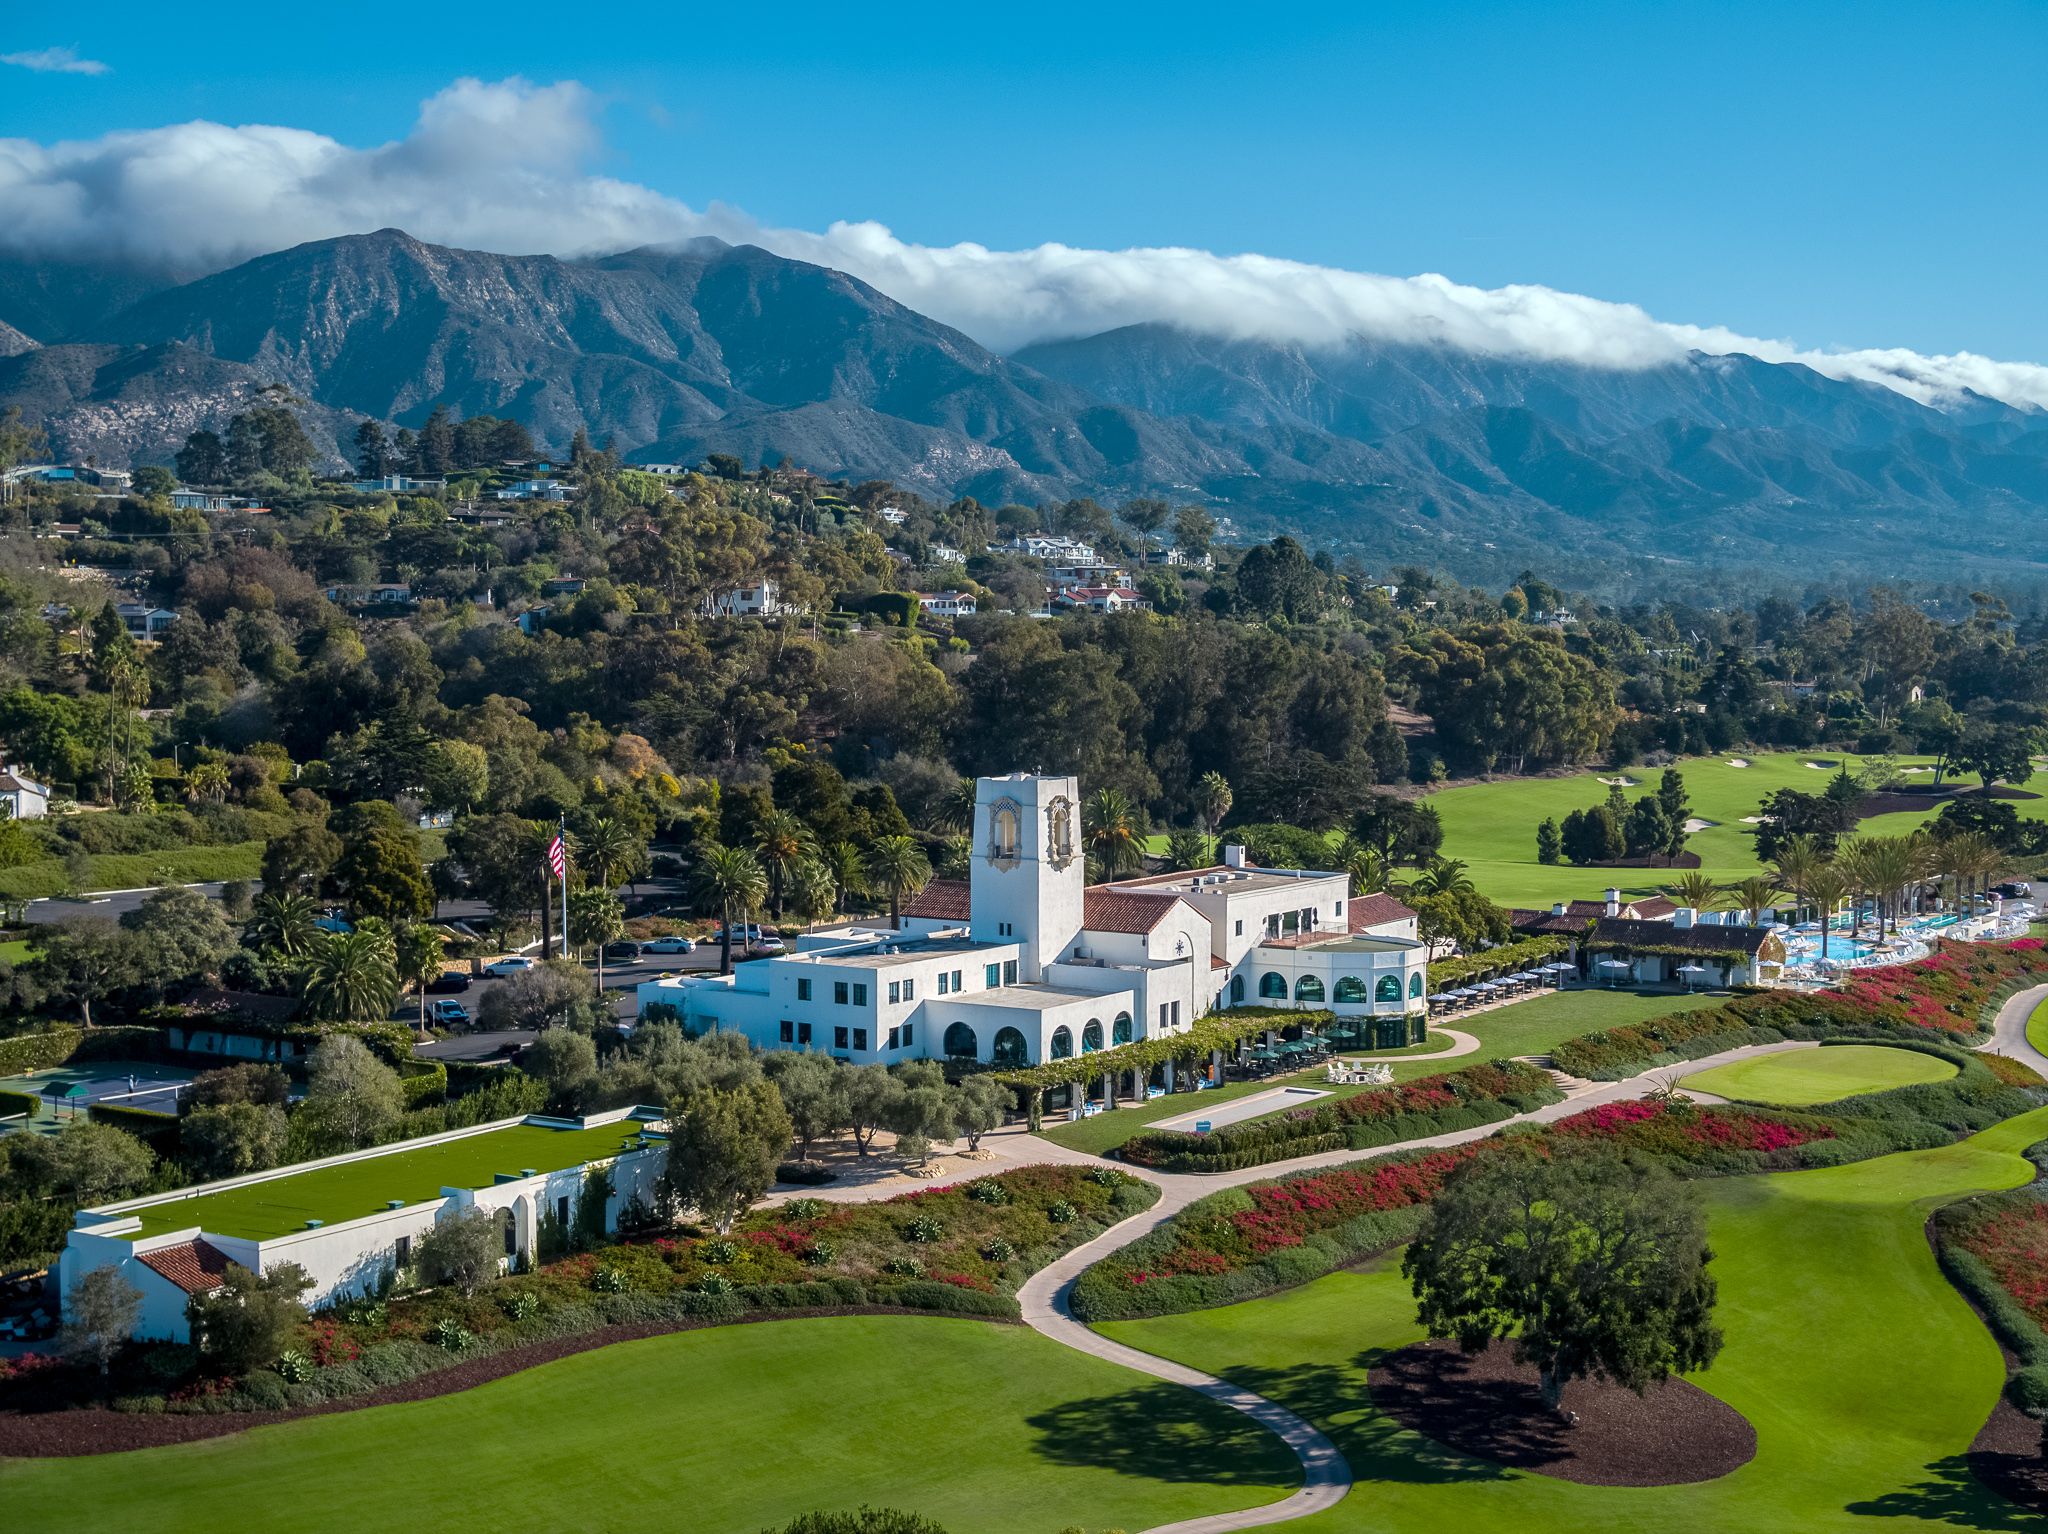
(1839,174)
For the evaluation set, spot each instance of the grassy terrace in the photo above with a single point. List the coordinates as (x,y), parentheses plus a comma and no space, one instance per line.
(1492,826)
(726,1431)
(2037,1028)
(1528,1027)
(1863,1371)
(279,1205)
(1808,1076)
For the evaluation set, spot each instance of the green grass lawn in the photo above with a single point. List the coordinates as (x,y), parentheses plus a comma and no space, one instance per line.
(1530,1027)
(15,952)
(1864,1373)
(2037,1028)
(1808,1076)
(1492,826)
(357,1188)
(136,870)
(986,1429)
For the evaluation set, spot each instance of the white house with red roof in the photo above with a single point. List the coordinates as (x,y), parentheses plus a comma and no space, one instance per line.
(1024,961)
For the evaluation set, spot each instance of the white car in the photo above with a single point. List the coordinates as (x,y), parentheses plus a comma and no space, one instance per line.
(669,945)
(511,964)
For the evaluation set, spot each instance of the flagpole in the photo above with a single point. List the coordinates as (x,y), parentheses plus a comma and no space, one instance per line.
(562,830)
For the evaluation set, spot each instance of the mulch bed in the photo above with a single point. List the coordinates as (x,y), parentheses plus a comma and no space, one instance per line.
(1490,1407)
(2006,1457)
(97,1430)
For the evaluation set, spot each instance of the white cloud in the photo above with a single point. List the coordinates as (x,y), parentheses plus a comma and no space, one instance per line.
(503,166)
(54,61)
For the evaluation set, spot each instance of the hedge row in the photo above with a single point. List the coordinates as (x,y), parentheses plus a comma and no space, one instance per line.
(159,1131)
(1429,1105)
(1945,996)
(17,1104)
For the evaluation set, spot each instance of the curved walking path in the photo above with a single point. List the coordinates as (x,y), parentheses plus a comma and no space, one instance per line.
(2009,1033)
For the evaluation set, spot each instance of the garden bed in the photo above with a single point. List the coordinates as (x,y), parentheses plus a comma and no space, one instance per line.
(1490,1407)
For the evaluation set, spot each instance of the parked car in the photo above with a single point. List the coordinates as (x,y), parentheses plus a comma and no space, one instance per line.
(450,982)
(767,942)
(450,1014)
(511,964)
(669,945)
(2014,889)
(622,952)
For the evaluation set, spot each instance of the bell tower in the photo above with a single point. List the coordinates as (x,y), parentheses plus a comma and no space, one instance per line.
(1028,870)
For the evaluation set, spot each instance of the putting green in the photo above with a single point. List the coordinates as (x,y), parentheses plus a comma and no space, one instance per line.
(987,1429)
(1492,826)
(1798,1078)
(1864,1373)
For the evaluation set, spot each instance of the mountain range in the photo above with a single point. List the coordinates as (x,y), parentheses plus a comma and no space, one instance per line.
(1407,454)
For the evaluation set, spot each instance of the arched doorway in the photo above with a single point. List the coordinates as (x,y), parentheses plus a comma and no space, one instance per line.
(960,1043)
(1237,990)
(1272,987)
(1009,1049)
(1120,1030)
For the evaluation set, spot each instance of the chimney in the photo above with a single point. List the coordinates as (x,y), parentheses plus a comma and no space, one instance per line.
(1684,916)
(1559,907)
(1233,856)
(1613,902)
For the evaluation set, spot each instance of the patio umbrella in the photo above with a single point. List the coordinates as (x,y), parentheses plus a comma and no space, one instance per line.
(1691,969)
(1612,965)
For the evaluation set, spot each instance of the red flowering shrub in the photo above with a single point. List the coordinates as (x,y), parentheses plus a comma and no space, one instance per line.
(1692,1133)
(2010,1237)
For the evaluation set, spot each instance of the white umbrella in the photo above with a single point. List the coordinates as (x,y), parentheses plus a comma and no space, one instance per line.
(1612,966)
(1691,969)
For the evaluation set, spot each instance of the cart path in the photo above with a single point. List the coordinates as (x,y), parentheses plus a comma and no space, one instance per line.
(2009,1033)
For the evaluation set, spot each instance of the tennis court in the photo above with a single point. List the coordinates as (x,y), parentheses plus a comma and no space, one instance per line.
(66,1091)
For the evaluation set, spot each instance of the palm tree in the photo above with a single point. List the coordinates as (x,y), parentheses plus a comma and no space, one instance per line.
(596,917)
(1972,857)
(1188,848)
(207,781)
(1753,896)
(842,860)
(731,879)
(608,852)
(352,977)
(1694,889)
(955,859)
(1367,873)
(782,841)
(1213,798)
(419,958)
(896,866)
(1799,859)
(1857,864)
(811,891)
(1894,866)
(1443,876)
(285,924)
(1826,888)
(955,810)
(1114,831)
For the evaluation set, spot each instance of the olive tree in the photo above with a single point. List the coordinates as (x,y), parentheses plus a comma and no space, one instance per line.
(99,1315)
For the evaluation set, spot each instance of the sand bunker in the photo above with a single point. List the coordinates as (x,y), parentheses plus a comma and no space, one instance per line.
(1694,823)
(1823,766)
(1621,782)
(1742,761)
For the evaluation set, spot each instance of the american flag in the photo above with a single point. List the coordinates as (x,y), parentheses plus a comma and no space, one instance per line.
(558,856)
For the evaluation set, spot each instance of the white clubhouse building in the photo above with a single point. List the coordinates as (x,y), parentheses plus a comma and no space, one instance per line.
(1026,962)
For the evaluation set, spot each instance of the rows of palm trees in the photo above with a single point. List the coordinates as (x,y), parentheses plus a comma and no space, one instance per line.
(352,976)
(787,870)
(1884,876)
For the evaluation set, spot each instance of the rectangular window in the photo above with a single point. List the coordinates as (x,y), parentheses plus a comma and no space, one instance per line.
(788,1031)
(860,994)
(562,1209)
(839,992)
(402,1252)
(956,979)
(992,975)
(803,1033)
(1340,910)
(1240,927)
(909,1035)
(1009,972)
(944,984)
(910,990)
(895,991)
(1162,1017)
(803,990)
(1176,1014)
(895,1037)
(860,1038)
(839,1038)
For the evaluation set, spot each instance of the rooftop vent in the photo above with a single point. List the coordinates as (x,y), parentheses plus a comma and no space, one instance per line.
(394,1203)
(315,1224)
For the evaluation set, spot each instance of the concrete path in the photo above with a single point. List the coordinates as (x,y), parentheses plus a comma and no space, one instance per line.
(2009,1033)
(1462,1043)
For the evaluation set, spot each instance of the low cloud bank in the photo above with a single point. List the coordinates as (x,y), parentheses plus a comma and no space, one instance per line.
(503,166)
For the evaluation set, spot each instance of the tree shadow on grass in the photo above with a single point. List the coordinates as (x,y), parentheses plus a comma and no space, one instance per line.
(1168,1432)
(1952,1494)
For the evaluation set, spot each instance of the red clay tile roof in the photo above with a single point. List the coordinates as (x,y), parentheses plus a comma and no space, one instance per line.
(196,1266)
(1217,961)
(940,900)
(1656,908)
(1376,911)
(1120,910)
